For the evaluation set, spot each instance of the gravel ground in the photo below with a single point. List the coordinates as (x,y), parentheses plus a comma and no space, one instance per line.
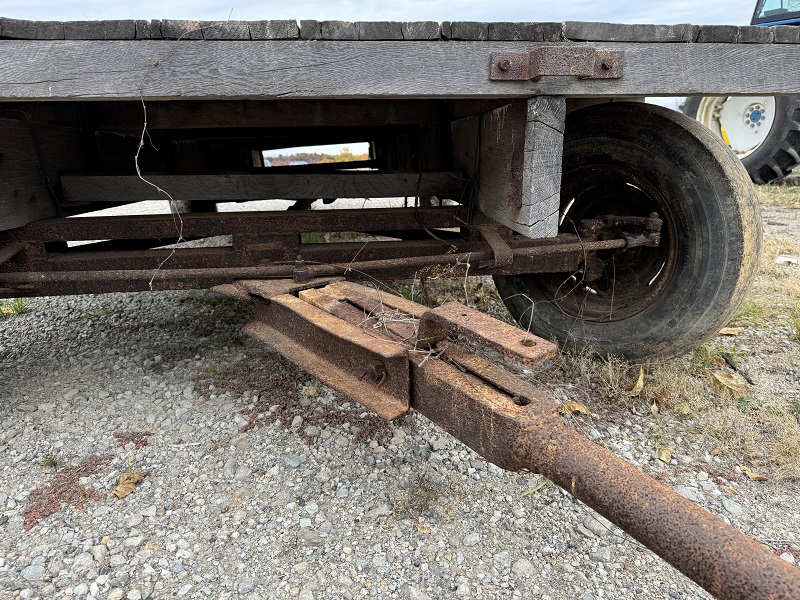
(227,510)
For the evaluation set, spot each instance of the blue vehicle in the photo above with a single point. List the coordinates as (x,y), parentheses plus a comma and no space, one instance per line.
(763,131)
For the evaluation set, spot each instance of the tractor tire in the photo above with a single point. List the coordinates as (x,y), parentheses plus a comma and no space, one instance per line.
(635,159)
(778,150)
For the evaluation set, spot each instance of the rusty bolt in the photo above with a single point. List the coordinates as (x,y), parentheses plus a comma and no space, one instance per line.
(504,65)
(376,374)
(300,273)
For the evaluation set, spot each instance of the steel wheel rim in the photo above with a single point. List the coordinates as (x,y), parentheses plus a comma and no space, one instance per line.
(742,122)
(635,278)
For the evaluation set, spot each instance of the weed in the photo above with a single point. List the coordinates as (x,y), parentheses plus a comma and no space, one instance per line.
(51,462)
(794,321)
(14,306)
(711,354)
(539,486)
(750,313)
(422,492)
(63,488)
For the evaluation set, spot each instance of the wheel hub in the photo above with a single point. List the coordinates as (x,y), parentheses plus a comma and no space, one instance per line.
(754,115)
(743,123)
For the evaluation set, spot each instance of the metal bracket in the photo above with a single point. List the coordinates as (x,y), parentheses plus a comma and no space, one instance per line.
(563,61)
(503,254)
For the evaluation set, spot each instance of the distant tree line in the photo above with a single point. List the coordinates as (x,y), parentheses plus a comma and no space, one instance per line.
(313,158)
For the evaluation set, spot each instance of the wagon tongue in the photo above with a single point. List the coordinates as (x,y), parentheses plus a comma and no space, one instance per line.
(392,354)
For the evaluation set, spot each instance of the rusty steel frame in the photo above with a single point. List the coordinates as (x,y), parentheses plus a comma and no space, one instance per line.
(502,417)
(37,261)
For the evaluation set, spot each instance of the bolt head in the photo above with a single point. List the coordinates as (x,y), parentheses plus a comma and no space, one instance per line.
(504,65)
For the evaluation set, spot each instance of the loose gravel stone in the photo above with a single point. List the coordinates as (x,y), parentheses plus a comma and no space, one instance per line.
(230,511)
(732,507)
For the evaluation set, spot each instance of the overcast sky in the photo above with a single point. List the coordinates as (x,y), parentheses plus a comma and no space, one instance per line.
(733,12)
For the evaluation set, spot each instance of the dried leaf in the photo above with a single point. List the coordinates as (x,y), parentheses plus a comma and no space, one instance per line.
(730,331)
(422,528)
(665,454)
(716,451)
(752,474)
(730,490)
(127,483)
(570,408)
(654,409)
(637,387)
(728,384)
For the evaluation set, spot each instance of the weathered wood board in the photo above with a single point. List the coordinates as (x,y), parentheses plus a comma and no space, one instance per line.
(520,165)
(24,193)
(98,69)
(242,187)
(288,29)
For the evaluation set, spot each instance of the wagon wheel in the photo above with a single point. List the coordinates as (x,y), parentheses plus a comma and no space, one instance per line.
(634,159)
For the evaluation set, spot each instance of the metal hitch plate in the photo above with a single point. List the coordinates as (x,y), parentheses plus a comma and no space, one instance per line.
(564,61)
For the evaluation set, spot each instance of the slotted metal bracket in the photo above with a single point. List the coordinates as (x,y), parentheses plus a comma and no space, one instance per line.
(559,61)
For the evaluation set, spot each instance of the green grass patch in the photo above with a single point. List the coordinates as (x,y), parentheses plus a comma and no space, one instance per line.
(14,306)
(750,314)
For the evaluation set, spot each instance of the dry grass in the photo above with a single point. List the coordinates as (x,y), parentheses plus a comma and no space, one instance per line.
(779,194)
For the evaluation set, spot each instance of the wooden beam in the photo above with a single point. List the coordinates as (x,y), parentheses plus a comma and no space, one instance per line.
(267,186)
(67,69)
(238,223)
(520,165)
(214,114)
(24,193)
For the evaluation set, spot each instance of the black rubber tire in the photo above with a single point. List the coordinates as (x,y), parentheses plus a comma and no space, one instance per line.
(633,158)
(780,152)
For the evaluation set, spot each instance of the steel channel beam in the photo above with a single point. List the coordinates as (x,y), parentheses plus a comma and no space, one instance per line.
(333,350)
(43,283)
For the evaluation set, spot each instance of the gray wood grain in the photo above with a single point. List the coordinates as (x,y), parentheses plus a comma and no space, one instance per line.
(379,30)
(100,30)
(755,35)
(144,29)
(338,30)
(786,34)
(718,34)
(31,30)
(52,70)
(616,32)
(310,30)
(530,32)
(173,29)
(420,30)
(520,165)
(129,188)
(285,29)
(127,117)
(469,30)
(225,30)
(24,196)
(388,30)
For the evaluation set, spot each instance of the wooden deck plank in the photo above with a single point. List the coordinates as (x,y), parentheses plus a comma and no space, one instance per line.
(266,186)
(391,30)
(69,70)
